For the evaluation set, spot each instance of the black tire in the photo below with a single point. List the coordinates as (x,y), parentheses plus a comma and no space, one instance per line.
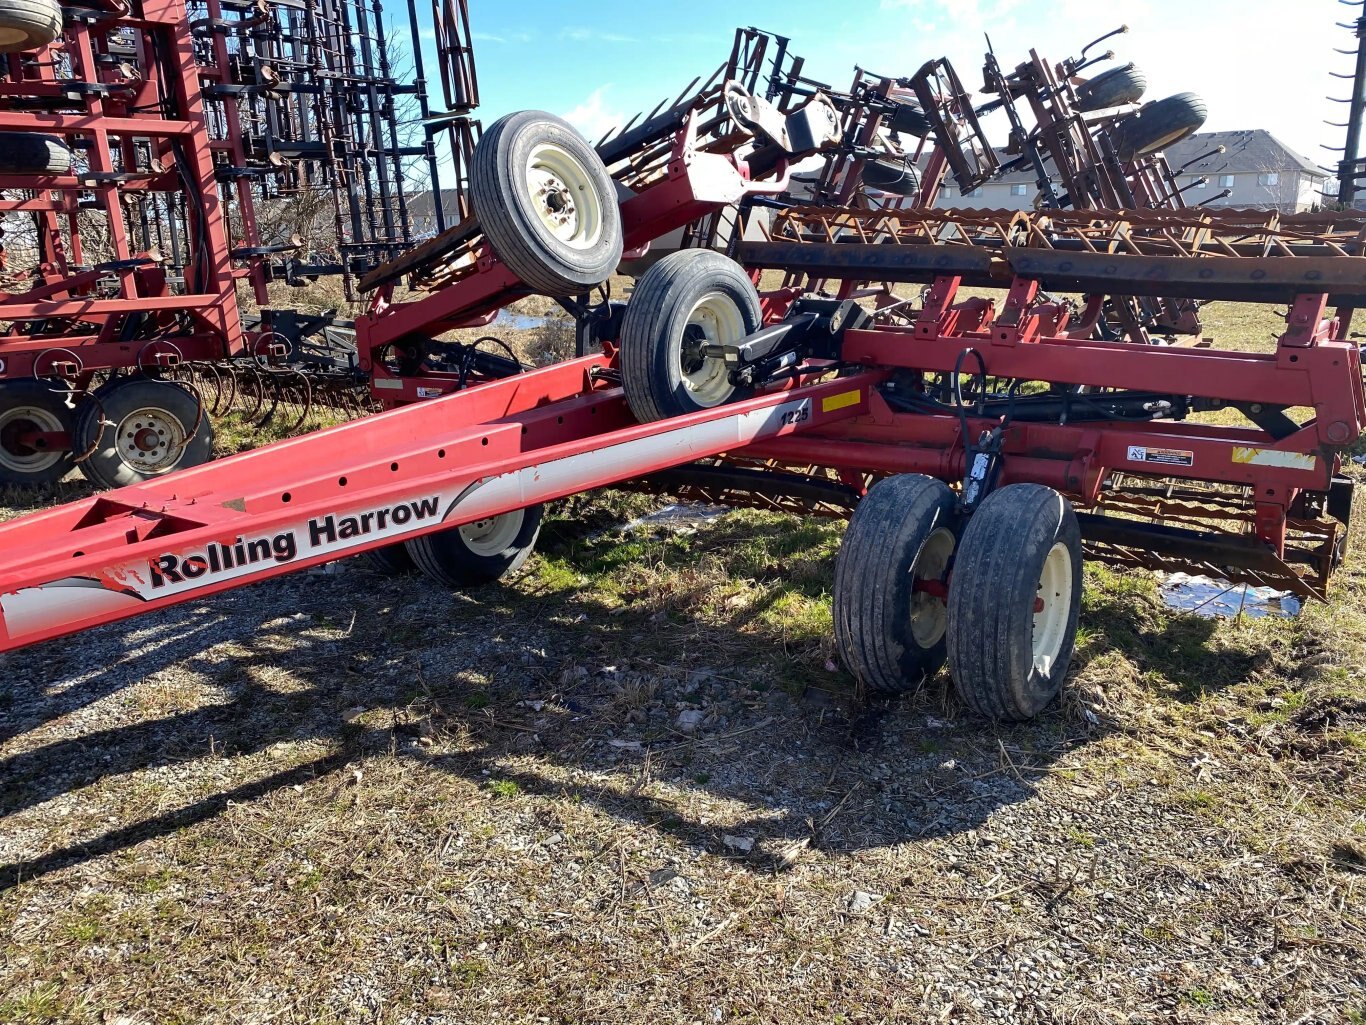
(174,432)
(889,174)
(501,192)
(30,153)
(26,405)
(998,576)
(28,24)
(909,120)
(1159,124)
(666,320)
(891,636)
(448,557)
(391,561)
(1112,88)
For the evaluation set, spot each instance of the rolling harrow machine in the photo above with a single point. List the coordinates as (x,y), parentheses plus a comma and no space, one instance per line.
(981,445)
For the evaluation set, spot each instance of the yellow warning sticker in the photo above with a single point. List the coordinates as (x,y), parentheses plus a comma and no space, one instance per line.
(841,401)
(1274,457)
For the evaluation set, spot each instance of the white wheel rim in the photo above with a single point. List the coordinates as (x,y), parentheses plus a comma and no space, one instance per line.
(495,535)
(929,613)
(563,197)
(21,419)
(150,440)
(715,318)
(1052,608)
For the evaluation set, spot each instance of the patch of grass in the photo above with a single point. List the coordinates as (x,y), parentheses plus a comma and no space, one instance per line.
(1199,800)
(40,1005)
(1160,934)
(1081,837)
(469,973)
(504,787)
(1198,998)
(154,883)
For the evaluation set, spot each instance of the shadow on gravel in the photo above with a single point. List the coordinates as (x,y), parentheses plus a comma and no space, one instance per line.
(84,684)
(561,697)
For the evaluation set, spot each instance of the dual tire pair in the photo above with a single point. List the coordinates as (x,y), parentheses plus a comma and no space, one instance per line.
(125,431)
(997,600)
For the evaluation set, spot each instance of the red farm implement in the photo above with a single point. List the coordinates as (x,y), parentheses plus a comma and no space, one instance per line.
(962,443)
(982,445)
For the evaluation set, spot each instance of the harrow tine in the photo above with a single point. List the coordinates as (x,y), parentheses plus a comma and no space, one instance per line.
(270,397)
(249,390)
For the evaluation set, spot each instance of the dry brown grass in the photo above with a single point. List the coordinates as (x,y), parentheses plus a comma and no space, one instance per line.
(339,797)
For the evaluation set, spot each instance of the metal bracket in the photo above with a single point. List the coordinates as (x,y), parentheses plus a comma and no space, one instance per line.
(813,125)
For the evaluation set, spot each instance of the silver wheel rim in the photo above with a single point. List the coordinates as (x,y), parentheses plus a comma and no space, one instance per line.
(929,614)
(562,194)
(37,460)
(1052,608)
(494,535)
(150,440)
(715,318)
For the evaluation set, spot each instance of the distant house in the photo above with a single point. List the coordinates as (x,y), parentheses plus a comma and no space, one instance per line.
(422,211)
(1259,170)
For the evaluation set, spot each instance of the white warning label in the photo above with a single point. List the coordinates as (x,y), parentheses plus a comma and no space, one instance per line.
(1161,456)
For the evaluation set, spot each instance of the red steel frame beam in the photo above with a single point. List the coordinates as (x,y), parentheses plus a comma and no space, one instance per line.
(479,453)
(1310,368)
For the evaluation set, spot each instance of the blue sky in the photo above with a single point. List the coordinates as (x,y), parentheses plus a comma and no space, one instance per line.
(1257,63)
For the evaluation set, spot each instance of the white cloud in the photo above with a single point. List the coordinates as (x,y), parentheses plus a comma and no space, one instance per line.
(579,34)
(489,37)
(593,117)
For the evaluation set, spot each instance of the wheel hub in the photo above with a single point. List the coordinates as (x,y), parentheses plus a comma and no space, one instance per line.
(19,451)
(150,440)
(929,607)
(563,197)
(557,205)
(691,356)
(493,535)
(14,431)
(715,319)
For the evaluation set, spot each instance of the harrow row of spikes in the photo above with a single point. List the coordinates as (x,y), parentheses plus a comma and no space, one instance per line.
(288,400)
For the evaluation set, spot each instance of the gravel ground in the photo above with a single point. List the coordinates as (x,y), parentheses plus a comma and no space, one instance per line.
(630,786)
